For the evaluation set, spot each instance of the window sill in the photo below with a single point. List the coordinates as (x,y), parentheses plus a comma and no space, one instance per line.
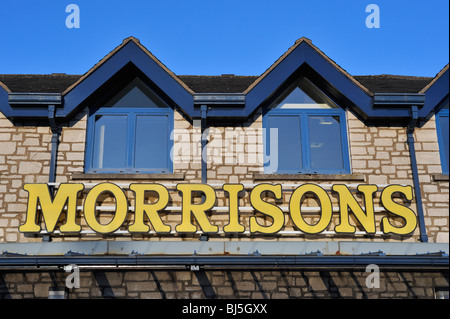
(309,177)
(87,176)
(440,178)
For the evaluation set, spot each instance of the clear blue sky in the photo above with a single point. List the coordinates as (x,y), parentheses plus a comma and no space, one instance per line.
(211,37)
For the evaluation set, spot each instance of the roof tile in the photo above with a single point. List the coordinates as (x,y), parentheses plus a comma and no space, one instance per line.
(58,83)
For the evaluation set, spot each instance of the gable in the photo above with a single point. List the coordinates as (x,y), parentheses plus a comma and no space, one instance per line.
(130,51)
(227,96)
(135,94)
(304,59)
(435,92)
(304,95)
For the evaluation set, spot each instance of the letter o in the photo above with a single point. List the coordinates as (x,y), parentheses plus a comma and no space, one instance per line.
(326,209)
(90,208)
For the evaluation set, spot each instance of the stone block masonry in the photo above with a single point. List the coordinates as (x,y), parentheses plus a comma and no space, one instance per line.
(223,284)
(235,155)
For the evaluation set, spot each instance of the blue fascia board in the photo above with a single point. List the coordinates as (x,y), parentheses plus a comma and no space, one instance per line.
(360,99)
(23,112)
(305,54)
(398,100)
(5,108)
(35,99)
(435,94)
(129,53)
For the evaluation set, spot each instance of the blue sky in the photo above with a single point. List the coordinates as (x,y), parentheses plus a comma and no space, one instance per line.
(213,37)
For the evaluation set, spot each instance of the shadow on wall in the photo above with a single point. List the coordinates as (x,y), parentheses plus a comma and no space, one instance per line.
(230,284)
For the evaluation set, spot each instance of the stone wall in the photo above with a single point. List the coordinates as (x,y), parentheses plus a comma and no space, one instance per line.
(379,154)
(435,190)
(219,284)
(382,155)
(24,158)
(236,152)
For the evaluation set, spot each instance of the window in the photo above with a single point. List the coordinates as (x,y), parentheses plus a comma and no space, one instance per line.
(130,133)
(306,133)
(442,132)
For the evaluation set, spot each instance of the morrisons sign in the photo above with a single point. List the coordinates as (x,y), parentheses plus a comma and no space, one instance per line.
(60,209)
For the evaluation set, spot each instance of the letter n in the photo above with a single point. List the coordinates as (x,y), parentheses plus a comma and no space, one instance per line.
(348,203)
(51,209)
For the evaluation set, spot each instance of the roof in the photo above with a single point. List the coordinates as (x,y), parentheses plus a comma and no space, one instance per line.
(297,44)
(131,58)
(58,83)
(435,79)
(386,83)
(436,92)
(227,83)
(116,50)
(38,83)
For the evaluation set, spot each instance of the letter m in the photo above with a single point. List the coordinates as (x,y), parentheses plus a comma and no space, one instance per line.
(51,209)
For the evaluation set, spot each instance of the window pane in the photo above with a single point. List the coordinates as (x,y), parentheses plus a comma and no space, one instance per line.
(325,142)
(152,142)
(443,121)
(304,95)
(136,94)
(286,154)
(110,142)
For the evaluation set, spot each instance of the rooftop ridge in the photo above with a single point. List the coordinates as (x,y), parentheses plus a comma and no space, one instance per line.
(395,76)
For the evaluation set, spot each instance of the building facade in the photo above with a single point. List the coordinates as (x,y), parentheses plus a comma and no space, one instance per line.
(293,184)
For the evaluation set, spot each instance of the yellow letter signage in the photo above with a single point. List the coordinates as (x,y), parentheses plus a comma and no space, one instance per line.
(59,211)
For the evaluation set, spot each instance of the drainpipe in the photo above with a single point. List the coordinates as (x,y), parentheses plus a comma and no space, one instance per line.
(204,133)
(204,153)
(412,154)
(56,132)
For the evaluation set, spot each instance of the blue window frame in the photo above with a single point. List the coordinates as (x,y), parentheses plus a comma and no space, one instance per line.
(305,133)
(130,133)
(442,127)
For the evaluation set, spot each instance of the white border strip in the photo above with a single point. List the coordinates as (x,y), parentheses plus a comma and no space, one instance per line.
(219,186)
